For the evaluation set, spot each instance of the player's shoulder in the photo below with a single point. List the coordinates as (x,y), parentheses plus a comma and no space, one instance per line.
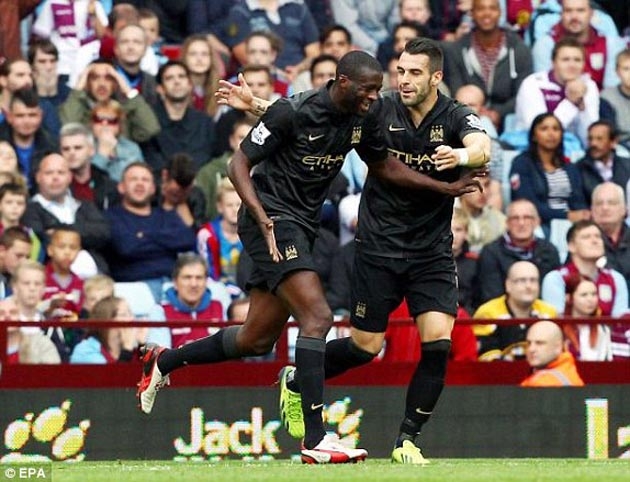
(303,99)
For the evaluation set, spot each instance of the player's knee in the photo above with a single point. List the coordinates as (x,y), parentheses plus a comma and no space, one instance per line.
(438,347)
(361,355)
(261,346)
(317,323)
(368,342)
(248,345)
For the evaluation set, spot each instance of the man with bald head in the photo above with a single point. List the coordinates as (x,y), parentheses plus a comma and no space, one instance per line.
(54,206)
(608,210)
(552,366)
(522,289)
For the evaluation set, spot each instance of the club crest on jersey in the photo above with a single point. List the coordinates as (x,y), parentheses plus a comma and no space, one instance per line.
(474,122)
(605,293)
(360,309)
(290,252)
(356,135)
(596,60)
(436,134)
(259,134)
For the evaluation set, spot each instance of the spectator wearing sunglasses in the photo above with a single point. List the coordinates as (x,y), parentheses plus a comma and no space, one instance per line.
(114,151)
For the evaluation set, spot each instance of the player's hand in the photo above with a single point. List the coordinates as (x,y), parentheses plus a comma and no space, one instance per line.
(468,183)
(445,157)
(266,226)
(236,96)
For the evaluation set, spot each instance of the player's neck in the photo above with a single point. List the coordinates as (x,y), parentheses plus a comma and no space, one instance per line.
(420,111)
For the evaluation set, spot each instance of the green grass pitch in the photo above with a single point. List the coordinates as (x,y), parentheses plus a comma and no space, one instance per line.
(373,470)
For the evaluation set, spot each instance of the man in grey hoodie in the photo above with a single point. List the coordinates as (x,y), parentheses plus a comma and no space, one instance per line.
(491,57)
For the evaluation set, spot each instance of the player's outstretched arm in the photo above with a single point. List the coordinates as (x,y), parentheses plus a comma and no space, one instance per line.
(240,97)
(475,153)
(239,168)
(393,171)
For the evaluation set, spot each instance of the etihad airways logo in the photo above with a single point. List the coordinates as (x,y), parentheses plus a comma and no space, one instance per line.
(327,162)
(418,162)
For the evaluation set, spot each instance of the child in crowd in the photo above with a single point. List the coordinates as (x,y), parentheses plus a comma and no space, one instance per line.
(8,158)
(13,199)
(64,289)
(95,289)
(150,23)
(107,345)
(28,283)
(31,347)
(218,241)
(15,246)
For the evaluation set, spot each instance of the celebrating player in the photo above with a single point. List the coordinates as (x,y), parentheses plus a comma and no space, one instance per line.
(303,141)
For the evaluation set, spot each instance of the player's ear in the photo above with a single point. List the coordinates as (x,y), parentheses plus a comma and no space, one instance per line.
(436,78)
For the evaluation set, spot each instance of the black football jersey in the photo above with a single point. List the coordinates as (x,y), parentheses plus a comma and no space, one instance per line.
(406,223)
(298,146)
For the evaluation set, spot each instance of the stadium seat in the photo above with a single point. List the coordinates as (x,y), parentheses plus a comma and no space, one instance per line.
(558,236)
(144,308)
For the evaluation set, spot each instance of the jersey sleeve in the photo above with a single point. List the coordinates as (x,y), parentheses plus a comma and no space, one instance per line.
(465,121)
(272,131)
(372,147)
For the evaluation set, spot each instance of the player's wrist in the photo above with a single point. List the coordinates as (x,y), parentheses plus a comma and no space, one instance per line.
(462,156)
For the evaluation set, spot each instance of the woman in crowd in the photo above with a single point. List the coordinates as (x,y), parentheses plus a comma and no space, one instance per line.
(544,176)
(107,345)
(198,56)
(586,342)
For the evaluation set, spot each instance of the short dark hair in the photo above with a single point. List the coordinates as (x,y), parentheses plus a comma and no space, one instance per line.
(320,59)
(181,168)
(335,28)
(64,228)
(233,305)
(567,42)
(13,234)
(141,164)
(419,29)
(123,11)
(13,188)
(187,259)
(274,40)
(354,63)
(428,47)
(577,227)
(27,96)
(45,46)
(5,67)
(168,65)
(258,68)
(612,129)
(147,13)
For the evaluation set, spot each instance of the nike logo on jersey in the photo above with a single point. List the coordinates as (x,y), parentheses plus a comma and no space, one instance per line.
(423,413)
(392,128)
(315,407)
(312,138)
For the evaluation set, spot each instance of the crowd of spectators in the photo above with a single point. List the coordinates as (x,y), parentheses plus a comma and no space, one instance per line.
(114,154)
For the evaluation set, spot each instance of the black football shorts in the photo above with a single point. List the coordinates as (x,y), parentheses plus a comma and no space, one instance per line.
(294,242)
(379,285)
